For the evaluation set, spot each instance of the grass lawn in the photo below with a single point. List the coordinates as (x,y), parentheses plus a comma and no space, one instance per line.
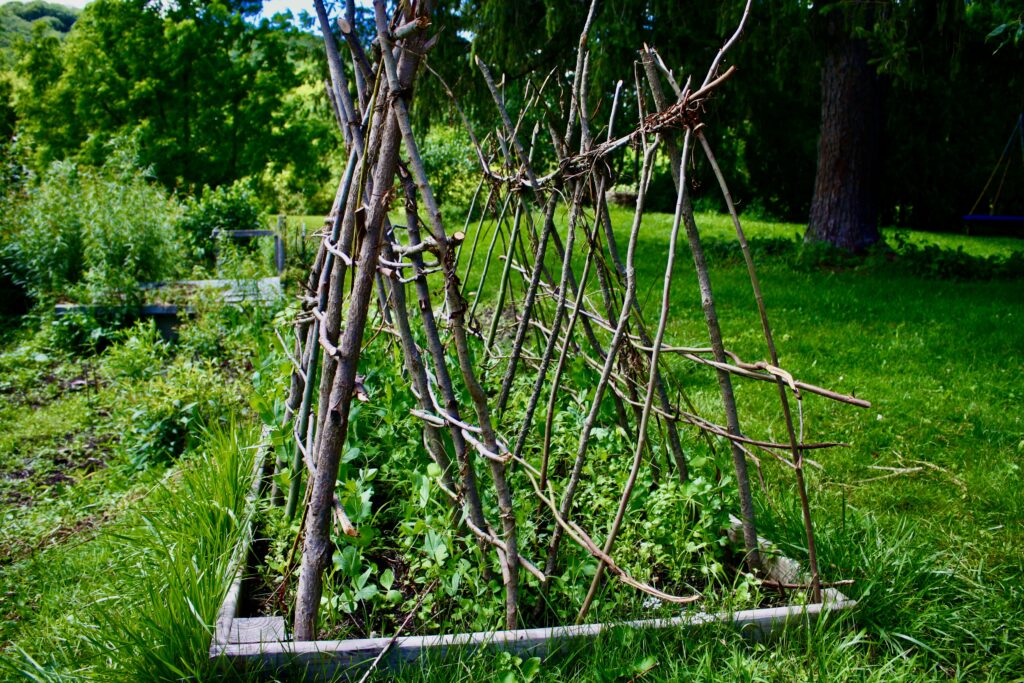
(935,544)
(716,225)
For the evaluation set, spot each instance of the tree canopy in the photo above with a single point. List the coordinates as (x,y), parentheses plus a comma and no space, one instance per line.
(17,19)
(211,93)
(207,93)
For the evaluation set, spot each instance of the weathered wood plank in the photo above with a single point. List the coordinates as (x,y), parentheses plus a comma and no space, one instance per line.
(327,659)
(257,630)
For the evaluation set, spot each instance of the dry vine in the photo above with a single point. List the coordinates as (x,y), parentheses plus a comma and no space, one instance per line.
(362,256)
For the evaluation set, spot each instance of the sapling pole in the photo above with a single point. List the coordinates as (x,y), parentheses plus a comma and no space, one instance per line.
(503,281)
(556,325)
(514,240)
(574,212)
(469,214)
(528,301)
(542,242)
(556,380)
(295,389)
(609,363)
(338,81)
(581,53)
(605,284)
(467,472)
(358,75)
(457,308)
(794,441)
(739,458)
(317,545)
(659,336)
(343,234)
(476,241)
(499,221)
(414,366)
(303,421)
(321,270)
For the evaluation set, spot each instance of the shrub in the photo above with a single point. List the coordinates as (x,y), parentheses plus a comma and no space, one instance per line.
(173,409)
(85,330)
(451,166)
(137,354)
(229,207)
(91,234)
(13,178)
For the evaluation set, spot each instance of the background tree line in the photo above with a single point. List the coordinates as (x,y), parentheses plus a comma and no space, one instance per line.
(207,93)
(210,93)
(938,89)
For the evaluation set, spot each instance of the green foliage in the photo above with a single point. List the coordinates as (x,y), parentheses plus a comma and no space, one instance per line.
(91,234)
(764,125)
(172,401)
(451,166)
(902,255)
(171,410)
(138,354)
(86,330)
(8,117)
(158,429)
(935,554)
(229,207)
(934,261)
(210,94)
(1009,32)
(18,21)
(148,585)
(74,430)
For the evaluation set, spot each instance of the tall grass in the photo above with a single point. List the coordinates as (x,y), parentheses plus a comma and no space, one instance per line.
(138,602)
(919,617)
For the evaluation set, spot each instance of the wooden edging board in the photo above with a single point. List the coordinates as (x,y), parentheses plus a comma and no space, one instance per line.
(261,643)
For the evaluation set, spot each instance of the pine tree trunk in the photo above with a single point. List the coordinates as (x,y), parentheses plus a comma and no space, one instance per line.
(844,210)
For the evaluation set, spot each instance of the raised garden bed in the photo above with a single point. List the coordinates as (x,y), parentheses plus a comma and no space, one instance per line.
(167,316)
(262,643)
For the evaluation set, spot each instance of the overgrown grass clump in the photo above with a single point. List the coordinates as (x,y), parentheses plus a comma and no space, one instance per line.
(135,600)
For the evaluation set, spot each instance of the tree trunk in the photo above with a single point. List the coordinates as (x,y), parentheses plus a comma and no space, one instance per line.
(844,210)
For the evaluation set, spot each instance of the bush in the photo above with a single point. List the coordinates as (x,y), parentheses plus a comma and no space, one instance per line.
(91,234)
(229,207)
(85,330)
(451,166)
(138,354)
(173,409)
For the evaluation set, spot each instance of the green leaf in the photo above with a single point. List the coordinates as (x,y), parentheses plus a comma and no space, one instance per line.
(367,592)
(423,488)
(530,668)
(435,547)
(348,561)
(387,579)
(998,30)
(645,665)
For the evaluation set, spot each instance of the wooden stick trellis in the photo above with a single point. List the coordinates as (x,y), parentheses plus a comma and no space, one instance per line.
(547,307)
